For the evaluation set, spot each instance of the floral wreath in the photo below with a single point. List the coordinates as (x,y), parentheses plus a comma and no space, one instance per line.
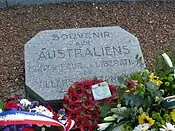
(24,115)
(81,106)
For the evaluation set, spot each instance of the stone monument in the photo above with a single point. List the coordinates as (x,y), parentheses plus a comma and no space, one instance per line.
(55,59)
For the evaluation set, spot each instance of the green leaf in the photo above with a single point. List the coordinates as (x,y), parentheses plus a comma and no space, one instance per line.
(171,51)
(147,102)
(161,67)
(116,127)
(1,105)
(153,89)
(121,79)
(110,127)
(105,109)
(124,114)
(168,70)
(133,100)
(140,90)
(138,75)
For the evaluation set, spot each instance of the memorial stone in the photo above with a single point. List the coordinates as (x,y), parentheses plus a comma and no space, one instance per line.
(55,59)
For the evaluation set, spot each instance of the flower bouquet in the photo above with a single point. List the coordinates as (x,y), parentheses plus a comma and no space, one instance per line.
(23,115)
(81,106)
(145,103)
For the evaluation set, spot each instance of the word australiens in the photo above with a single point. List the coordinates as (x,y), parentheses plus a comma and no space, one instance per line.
(46,54)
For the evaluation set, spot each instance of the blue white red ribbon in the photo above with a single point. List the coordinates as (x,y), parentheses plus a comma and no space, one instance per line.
(22,117)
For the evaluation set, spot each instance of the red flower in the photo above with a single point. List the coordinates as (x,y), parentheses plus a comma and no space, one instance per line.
(78,85)
(72,91)
(132,84)
(88,104)
(112,89)
(11,105)
(74,114)
(81,106)
(79,121)
(88,125)
(80,91)
(27,129)
(94,114)
(72,105)
(87,85)
(74,99)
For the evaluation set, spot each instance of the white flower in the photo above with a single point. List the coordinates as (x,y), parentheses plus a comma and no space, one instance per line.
(43,129)
(142,127)
(0,110)
(119,118)
(109,118)
(119,105)
(25,102)
(122,109)
(42,110)
(168,127)
(167,59)
(118,109)
(103,126)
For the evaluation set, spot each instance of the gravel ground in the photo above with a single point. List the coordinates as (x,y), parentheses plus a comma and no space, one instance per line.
(152,23)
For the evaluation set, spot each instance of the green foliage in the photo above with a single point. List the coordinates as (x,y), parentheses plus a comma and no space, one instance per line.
(161,67)
(111,127)
(133,100)
(143,93)
(153,90)
(1,105)
(140,76)
(105,109)
(137,93)
(168,85)
(171,51)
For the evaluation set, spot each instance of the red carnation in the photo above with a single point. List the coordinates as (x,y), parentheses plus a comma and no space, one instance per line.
(11,105)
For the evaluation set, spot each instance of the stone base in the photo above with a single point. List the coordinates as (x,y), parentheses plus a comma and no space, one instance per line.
(32,96)
(3,4)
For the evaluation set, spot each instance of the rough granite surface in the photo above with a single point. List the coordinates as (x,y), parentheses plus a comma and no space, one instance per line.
(55,59)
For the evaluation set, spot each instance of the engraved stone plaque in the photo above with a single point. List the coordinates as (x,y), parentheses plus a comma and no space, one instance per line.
(55,59)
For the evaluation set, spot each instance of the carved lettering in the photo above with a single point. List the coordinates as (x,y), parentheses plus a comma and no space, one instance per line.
(84,35)
(46,54)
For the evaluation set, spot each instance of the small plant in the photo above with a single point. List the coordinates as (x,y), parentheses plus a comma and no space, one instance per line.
(146,100)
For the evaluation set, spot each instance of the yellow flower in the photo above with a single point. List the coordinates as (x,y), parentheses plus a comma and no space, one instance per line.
(154,79)
(143,118)
(151,76)
(173,115)
(127,91)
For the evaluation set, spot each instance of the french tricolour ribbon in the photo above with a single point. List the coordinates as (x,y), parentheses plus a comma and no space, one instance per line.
(22,117)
